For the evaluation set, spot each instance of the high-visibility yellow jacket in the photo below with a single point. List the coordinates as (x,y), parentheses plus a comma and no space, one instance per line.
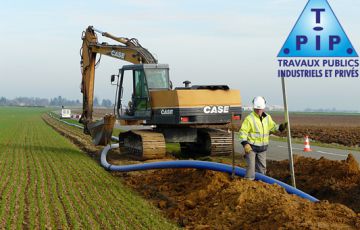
(256,131)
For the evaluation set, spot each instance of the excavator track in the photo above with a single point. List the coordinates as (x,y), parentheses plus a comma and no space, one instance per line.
(221,142)
(143,144)
(211,142)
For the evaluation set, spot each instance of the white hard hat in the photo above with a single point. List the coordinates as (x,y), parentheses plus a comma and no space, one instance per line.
(259,102)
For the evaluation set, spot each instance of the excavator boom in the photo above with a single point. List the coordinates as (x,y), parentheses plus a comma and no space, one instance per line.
(128,50)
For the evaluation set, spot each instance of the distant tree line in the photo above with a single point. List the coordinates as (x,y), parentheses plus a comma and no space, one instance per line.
(60,101)
(328,110)
(44,102)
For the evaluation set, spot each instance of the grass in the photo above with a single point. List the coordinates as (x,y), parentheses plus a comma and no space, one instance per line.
(47,182)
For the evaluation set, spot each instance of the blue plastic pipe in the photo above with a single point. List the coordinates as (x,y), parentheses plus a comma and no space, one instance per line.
(198,165)
(190,164)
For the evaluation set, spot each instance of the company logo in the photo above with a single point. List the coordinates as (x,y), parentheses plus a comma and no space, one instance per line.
(117,54)
(217,109)
(318,33)
(166,112)
(318,46)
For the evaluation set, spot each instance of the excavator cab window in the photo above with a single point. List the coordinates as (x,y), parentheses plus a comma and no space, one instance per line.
(144,79)
(157,79)
(140,96)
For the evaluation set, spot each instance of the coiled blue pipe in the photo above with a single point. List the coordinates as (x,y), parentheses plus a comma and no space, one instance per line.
(198,165)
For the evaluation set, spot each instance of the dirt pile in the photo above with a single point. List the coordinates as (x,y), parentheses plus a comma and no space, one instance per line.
(336,181)
(199,199)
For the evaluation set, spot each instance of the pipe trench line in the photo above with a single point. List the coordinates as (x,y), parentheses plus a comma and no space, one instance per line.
(190,164)
(197,165)
(65,122)
(113,138)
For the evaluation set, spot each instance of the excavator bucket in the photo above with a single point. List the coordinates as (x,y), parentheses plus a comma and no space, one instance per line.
(101,131)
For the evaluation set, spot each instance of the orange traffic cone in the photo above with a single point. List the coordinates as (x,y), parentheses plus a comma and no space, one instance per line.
(307,145)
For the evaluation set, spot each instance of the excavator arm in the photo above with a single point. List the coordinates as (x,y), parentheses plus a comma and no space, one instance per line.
(128,50)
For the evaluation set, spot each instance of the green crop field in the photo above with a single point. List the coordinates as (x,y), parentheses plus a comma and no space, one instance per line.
(46,182)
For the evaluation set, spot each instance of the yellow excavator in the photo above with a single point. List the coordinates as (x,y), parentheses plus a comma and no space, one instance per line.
(195,116)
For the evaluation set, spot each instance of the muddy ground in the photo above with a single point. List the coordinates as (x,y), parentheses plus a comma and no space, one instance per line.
(199,199)
(337,181)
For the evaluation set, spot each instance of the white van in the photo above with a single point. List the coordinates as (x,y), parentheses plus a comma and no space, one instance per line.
(65,113)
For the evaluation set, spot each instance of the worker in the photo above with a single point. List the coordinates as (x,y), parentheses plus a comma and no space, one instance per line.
(254,136)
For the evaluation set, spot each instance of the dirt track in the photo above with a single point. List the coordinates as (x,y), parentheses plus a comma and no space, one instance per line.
(199,199)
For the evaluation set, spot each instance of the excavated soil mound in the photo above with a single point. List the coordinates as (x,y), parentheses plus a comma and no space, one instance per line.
(199,199)
(336,181)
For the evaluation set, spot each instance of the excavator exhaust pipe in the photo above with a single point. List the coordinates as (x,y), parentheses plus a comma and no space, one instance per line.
(101,131)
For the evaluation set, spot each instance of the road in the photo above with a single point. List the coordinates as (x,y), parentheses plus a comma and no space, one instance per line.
(278,151)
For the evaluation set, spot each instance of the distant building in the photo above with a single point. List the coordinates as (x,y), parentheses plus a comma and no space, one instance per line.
(65,113)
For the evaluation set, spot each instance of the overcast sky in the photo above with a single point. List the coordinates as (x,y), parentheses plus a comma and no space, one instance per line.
(206,42)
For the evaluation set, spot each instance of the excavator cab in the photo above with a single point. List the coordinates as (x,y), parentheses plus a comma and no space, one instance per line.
(145,78)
